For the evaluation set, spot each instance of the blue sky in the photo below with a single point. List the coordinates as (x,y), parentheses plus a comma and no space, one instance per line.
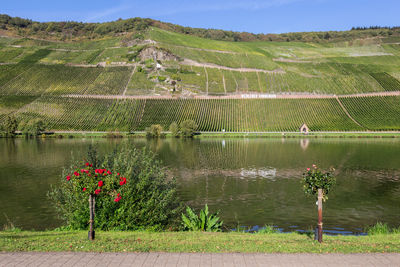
(257,16)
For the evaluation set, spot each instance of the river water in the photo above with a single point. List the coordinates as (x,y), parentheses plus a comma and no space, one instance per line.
(253,182)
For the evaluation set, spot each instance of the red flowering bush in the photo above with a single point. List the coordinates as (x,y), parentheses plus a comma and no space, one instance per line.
(130,187)
(90,180)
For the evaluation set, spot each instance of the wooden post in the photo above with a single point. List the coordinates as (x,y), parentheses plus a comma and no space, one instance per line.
(91,233)
(320,195)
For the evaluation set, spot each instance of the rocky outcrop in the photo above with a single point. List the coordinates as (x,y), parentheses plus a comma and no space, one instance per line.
(152,52)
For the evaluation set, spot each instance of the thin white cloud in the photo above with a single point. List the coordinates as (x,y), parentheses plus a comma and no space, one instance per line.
(94,17)
(174,7)
(170,7)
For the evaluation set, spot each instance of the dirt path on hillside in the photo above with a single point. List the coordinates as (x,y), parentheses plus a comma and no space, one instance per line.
(130,78)
(205,50)
(347,113)
(236,96)
(290,60)
(190,62)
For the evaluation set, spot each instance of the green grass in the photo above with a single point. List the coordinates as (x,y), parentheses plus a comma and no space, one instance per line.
(194,242)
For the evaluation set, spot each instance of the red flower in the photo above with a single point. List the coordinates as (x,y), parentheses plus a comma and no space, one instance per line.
(68,177)
(84,189)
(82,170)
(91,165)
(87,164)
(122,181)
(118,173)
(97,191)
(108,172)
(76,173)
(101,183)
(118,198)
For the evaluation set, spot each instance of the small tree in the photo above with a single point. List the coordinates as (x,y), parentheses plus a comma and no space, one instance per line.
(318,183)
(95,182)
(154,130)
(188,128)
(174,129)
(10,126)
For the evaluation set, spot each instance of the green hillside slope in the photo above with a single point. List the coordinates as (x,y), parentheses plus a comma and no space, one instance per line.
(232,115)
(43,77)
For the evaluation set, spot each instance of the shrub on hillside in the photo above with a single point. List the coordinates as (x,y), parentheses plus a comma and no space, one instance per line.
(148,199)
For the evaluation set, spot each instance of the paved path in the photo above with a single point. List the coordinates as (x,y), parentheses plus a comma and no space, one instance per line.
(195,259)
(236,95)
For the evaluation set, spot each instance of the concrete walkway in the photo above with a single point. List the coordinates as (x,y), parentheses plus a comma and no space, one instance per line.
(194,259)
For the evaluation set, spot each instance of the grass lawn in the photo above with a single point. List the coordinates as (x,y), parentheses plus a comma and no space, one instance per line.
(194,242)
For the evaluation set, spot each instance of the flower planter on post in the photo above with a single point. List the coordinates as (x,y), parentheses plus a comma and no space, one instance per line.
(318,183)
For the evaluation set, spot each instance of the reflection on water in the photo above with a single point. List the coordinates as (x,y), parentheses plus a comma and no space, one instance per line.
(261,172)
(253,182)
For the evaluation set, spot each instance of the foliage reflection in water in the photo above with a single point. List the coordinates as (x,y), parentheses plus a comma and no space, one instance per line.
(253,182)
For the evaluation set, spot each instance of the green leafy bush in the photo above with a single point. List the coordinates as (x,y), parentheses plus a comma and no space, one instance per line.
(176,77)
(314,179)
(149,200)
(203,222)
(188,128)
(33,127)
(161,78)
(174,129)
(9,126)
(154,130)
(378,229)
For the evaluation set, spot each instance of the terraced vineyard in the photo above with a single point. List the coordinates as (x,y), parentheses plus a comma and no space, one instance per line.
(233,115)
(375,113)
(27,79)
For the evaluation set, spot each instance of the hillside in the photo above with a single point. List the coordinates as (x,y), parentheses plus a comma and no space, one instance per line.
(151,75)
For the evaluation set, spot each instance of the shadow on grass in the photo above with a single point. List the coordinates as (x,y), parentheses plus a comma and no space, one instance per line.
(309,234)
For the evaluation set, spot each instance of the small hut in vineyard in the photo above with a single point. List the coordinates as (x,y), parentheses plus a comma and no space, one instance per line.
(304,129)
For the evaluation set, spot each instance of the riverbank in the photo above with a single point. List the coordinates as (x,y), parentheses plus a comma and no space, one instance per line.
(76,241)
(91,134)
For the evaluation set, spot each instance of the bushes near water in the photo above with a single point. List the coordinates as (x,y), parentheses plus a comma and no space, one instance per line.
(382,229)
(150,198)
